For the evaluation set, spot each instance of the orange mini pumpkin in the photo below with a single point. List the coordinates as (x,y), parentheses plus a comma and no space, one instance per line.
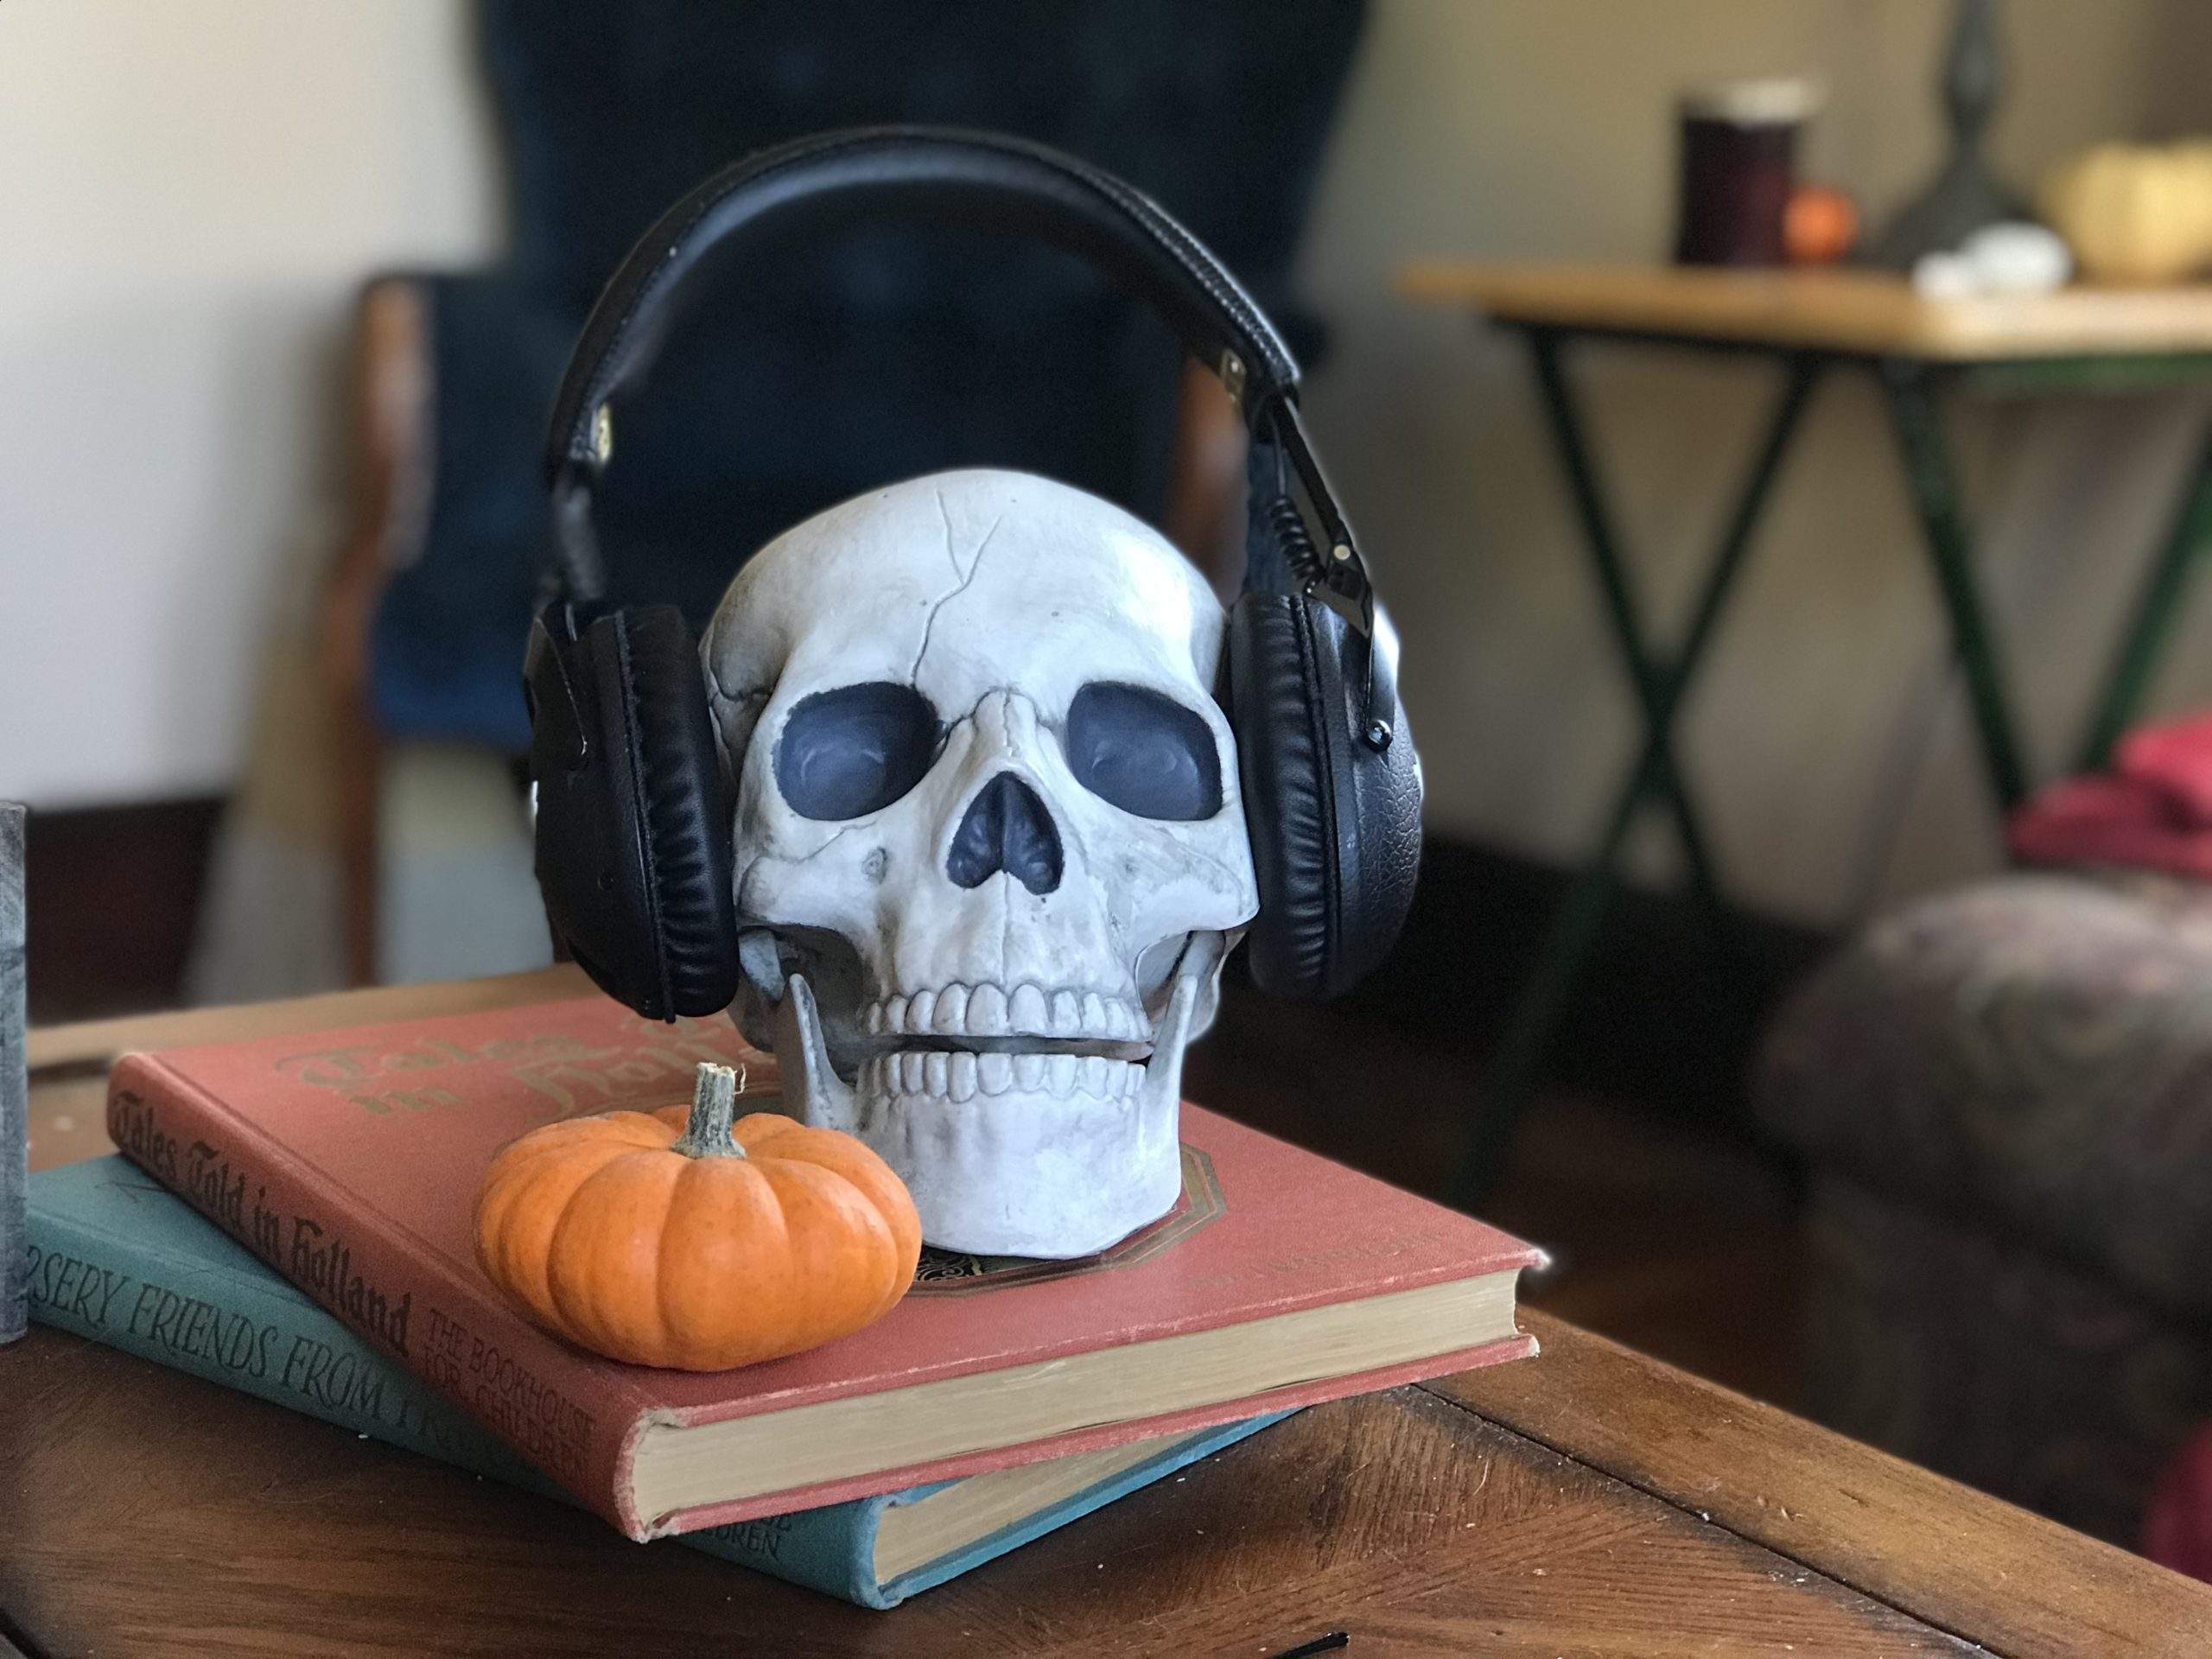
(1818,225)
(679,1238)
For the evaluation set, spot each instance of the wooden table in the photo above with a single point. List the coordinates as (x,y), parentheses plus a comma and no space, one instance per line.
(1589,1502)
(1809,321)
(1871,313)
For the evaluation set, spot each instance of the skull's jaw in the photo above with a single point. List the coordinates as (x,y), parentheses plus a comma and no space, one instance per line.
(1066,1161)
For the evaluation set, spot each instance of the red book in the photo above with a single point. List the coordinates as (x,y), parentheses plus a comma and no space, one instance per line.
(348,1162)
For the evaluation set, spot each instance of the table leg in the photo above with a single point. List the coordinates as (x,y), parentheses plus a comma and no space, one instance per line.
(2156,608)
(1647,676)
(1933,485)
(1510,1077)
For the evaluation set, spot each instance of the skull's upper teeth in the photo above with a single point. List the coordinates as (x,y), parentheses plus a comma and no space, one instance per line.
(961,1076)
(1027,1010)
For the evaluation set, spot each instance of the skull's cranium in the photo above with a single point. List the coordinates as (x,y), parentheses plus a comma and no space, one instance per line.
(989,844)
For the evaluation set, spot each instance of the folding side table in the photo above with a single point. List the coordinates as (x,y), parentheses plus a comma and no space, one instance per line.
(1808,321)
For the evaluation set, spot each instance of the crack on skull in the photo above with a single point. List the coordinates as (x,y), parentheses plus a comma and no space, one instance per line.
(975,564)
(716,698)
(731,760)
(846,830)
(742,878)
(1228,879)
(759,861)
(714,684)
(945,517)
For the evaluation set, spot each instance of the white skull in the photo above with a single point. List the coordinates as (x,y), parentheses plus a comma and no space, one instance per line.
(990,848)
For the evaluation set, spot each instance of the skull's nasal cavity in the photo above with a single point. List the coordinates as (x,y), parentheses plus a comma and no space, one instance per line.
(1008,829)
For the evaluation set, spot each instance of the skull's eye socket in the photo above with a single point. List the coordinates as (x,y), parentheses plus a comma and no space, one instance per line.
(1145,753)
(853,751)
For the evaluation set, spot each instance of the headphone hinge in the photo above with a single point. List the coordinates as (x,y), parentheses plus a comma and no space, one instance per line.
(1343,571)
(552,636)
(1235,378)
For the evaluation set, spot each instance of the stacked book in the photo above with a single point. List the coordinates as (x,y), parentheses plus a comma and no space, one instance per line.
(292,1219)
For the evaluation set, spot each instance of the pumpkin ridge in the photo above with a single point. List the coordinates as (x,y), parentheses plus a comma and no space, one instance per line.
(884,1251)
(534,1186)
(805,1185)
(883,1197)
(582,1297)
(885,1194)
(722,1185)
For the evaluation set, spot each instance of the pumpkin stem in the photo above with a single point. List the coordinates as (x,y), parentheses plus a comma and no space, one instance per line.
(713,1105)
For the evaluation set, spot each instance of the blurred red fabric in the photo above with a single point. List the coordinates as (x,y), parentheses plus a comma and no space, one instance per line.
(2154,809)
(2151,810)
(2178,1527)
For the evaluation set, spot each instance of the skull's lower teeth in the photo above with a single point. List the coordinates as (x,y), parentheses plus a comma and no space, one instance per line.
(958,1075)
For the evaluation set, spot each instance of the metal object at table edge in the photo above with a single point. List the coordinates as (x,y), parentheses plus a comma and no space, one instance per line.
(14,1106)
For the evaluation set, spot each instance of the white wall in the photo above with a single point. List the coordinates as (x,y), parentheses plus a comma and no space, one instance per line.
(189,196)
(1535,129)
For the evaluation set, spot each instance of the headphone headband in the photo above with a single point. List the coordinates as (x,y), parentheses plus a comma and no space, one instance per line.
(632,853)
(947,174)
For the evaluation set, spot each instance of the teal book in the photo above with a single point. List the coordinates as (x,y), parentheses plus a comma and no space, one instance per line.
(115,1257)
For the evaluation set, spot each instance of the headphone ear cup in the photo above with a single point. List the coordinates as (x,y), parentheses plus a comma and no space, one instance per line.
(684,809)
(1280,754)
(1335,823)
(633,848)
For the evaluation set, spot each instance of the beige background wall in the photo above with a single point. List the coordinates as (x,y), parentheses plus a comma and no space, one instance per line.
(1543,128)
(189,196)
(192,193)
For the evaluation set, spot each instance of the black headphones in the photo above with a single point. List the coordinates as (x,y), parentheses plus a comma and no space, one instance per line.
(634,851)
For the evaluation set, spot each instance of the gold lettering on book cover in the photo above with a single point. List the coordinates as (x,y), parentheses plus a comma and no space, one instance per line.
(544,1424)
(138,1132)
(650,1066)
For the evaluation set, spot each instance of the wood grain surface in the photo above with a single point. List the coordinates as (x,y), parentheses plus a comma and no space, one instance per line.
(1961,1561)
(1843,310)
(148,1513)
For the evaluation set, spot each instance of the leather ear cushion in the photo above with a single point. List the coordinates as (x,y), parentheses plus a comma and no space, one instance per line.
(684,822)
(1282,753)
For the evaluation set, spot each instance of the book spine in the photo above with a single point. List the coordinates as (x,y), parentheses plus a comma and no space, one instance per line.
(239,1334)
(408,1303)
(831,1549)
(1178,1455)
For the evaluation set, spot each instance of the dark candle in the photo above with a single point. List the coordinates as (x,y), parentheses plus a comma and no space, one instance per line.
(1738,149)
